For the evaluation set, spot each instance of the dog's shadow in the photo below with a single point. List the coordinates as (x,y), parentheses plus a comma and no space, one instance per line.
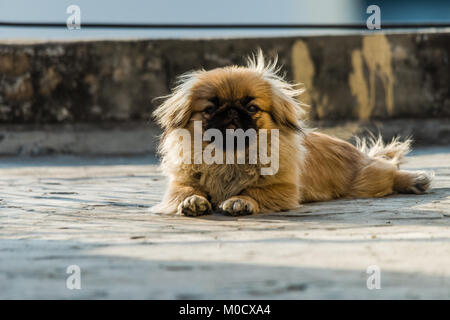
(430,208)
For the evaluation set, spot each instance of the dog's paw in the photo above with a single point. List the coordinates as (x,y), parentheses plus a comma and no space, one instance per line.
(194,206)
(419,182)
(422,182)
(238,206)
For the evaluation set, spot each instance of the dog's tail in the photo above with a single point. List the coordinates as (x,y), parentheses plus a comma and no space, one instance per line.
(376,148)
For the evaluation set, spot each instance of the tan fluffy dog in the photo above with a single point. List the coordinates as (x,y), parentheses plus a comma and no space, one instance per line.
(312,166)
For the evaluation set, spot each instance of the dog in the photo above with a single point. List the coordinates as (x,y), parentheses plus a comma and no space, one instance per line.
(312,166)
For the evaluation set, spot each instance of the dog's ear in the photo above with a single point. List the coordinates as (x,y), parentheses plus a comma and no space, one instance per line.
(287,111)
(175,110)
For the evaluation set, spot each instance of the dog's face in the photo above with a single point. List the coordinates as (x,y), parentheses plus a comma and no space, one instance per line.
(252,97)
(232,98)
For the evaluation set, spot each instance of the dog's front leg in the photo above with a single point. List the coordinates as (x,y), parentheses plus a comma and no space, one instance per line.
(240,205)
(275,197)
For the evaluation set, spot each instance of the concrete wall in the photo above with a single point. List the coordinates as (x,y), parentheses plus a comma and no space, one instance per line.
(359,78)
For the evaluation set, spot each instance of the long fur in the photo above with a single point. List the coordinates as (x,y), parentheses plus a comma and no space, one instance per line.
(395,151)
(313,166)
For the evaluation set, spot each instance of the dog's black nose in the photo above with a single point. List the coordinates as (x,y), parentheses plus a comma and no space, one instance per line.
(232,113)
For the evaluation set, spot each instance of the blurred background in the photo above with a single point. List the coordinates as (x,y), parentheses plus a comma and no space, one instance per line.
(209,12)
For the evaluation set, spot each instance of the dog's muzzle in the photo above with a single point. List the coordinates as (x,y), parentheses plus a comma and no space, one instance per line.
(232,117)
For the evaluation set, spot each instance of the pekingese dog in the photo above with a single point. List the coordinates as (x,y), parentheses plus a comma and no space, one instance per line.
(311,166)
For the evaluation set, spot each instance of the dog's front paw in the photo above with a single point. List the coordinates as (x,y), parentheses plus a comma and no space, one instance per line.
(239,206)
(194,206)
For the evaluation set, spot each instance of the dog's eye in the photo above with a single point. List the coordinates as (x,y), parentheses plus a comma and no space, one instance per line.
(252,108)
(208,110)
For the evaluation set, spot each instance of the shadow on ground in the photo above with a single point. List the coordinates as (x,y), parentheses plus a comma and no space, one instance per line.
(37,275)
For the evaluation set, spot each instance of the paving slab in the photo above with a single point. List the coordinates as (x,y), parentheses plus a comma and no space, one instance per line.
(61,211)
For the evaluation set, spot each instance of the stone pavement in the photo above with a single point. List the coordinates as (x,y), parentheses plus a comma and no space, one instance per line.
(93,213)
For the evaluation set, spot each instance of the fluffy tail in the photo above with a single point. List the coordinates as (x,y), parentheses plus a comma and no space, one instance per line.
(393,151)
